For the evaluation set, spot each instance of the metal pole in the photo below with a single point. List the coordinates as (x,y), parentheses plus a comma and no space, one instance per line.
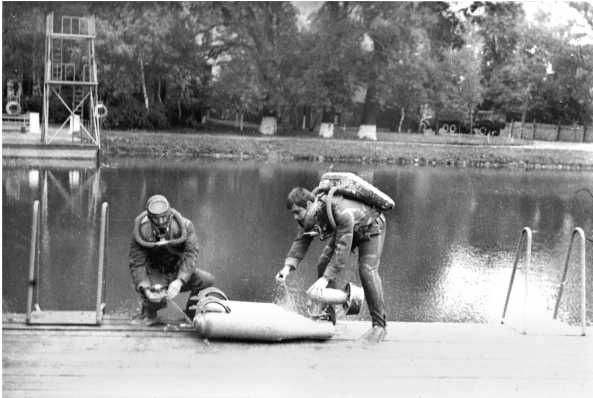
(527,265)
(583,281)
(564,274)
(33,250)
(582,259)
(506,302)
(102,239)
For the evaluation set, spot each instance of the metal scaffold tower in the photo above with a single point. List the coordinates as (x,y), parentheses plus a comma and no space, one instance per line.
(71,75)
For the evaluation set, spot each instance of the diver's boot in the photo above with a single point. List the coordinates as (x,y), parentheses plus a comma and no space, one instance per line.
(149,316)
(374,335)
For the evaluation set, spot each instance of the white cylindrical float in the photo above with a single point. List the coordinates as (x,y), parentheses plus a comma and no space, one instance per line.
(243,320)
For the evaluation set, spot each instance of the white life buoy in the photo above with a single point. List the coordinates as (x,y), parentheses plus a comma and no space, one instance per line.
(100,110)
(13,108)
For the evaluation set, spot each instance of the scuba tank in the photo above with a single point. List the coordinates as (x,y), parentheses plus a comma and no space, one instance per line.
(348,185)
(354,187)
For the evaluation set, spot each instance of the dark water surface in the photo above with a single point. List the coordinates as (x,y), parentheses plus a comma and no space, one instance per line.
(448,254)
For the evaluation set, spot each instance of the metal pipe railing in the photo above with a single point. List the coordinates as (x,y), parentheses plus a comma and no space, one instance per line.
(32,259)
(582,260)
(102,243)
(527,237)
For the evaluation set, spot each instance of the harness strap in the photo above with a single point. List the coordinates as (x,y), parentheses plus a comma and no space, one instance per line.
(328,207)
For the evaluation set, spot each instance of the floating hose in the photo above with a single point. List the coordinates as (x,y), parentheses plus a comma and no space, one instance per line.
(202,305)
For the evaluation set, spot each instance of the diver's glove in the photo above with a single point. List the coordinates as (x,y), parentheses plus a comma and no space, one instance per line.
(283,273)
(174,288)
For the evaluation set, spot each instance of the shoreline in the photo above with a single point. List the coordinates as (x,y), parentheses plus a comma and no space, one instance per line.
(401,149)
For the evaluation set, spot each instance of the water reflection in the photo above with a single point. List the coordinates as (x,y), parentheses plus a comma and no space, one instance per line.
(450,243)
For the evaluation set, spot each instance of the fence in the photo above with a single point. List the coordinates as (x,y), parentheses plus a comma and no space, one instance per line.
(548,132)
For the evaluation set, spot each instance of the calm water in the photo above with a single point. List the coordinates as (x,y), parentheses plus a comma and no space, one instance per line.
(448,253)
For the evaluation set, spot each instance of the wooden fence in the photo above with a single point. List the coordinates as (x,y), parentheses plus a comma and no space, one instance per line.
(548,132)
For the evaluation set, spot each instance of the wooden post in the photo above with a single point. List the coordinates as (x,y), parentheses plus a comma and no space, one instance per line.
(558,132)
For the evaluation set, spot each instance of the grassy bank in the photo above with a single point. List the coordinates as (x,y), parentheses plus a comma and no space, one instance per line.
(459,151)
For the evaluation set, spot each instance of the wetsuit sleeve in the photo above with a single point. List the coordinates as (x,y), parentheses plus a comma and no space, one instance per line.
(327,254)
(138,261)
(343,242)
(189,259)
(298,249)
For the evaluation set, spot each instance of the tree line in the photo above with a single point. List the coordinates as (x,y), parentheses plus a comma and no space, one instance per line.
(166,64)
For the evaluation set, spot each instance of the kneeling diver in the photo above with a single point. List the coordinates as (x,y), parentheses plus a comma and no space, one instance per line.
(164,251)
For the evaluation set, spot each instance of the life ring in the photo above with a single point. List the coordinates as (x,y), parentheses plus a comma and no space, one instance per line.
(13,108)
(100,110)
(452,129)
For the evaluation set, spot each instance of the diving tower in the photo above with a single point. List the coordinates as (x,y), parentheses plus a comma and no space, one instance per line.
(71,77)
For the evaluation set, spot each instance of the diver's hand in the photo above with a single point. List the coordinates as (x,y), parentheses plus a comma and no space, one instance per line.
(316,289)
(174,288)
(152,296)
(283,273)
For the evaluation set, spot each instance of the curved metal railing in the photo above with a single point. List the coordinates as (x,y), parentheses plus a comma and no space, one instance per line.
(527,238)
(582,259)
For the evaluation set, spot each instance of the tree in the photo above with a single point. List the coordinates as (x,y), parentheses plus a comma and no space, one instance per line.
(586,10)
(499,24)
(264,37)
(23,40)
(332,53)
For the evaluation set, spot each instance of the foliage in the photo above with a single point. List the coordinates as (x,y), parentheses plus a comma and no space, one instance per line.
(164,64)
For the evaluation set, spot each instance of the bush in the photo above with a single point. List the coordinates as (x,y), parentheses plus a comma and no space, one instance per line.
(129,113)
(157,117)
(191,112)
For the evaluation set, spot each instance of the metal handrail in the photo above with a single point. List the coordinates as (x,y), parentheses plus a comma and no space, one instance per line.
(582,258)
(102,242)
(32,258)
(527,237)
